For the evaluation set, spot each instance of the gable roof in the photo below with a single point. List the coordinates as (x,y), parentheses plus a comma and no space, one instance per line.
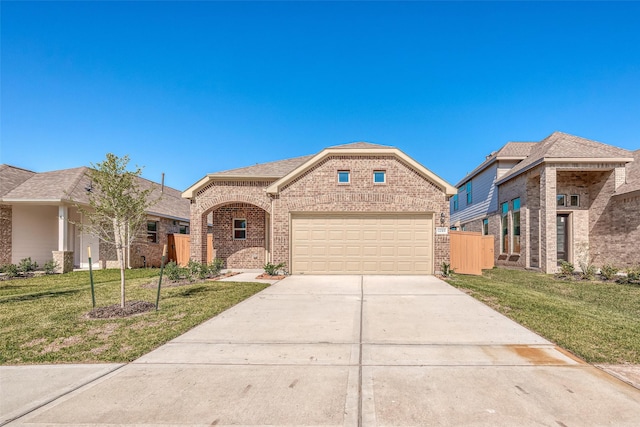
(633,176)
(11,177)
(70,186)
(359,149)
(283,171)
(509,151)
(562,147)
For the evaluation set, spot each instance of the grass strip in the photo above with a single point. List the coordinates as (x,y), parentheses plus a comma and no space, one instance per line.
(598,321)
(43,319)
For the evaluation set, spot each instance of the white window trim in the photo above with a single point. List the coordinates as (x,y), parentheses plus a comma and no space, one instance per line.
(577,205)
(153,233)
(233,224)
(348,172)
(384,176)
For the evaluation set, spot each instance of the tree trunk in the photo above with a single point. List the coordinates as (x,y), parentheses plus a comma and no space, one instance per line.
(119,240)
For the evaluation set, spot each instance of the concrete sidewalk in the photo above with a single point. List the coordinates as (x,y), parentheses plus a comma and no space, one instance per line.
(349,351)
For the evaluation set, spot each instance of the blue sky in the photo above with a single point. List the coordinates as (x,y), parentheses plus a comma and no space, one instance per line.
(239,83)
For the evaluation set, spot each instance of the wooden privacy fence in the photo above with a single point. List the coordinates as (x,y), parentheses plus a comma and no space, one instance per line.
(180,248)
(471,252)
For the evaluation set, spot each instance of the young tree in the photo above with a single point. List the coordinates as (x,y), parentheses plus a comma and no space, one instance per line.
(117,207)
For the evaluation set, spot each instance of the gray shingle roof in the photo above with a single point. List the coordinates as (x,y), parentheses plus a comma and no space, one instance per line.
(561,145)
(70,185)
(511,150)
(11,177)
(633,175)
(276,169)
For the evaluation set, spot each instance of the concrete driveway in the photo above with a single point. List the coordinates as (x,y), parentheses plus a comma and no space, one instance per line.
(349,351)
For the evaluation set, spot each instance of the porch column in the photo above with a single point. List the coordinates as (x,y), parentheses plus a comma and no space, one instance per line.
(198,234)
(63,224)
(63,256)
(548,238)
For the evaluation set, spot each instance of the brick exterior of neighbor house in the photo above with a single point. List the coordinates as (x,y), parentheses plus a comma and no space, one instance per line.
(600,185)
(5,234)
(309,185)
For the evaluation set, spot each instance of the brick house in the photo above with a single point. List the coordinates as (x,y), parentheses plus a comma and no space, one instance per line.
(351,209)
(38,219)
(563,198)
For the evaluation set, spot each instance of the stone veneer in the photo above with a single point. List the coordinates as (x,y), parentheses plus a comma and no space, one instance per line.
(317,190)
(5,234)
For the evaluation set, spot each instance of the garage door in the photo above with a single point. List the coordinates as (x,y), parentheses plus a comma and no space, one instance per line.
(362,243)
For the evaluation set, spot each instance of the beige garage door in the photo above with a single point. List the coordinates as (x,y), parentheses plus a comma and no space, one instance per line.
(362,243)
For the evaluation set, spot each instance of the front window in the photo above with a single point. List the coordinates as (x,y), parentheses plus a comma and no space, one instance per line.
(561,200)
(574,200)
(343,177)
(379,177)
(469,198)
(152,231)
(239,229)
(505,227)
(515,224)
(485,227)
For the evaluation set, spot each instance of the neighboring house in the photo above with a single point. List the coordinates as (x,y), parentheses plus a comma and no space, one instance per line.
(564,198)
(352,209)
(38,219)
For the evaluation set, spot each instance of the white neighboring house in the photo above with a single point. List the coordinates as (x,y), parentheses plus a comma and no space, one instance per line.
(38,219)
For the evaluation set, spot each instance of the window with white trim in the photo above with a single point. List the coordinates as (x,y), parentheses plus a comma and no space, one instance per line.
(485,227)
(152,231)
(344,177)
(505,228)
(469,198)
(379,177)
(239,229)
(574,200)
(455,202)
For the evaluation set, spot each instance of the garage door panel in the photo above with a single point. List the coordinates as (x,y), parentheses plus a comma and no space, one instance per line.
(350,243)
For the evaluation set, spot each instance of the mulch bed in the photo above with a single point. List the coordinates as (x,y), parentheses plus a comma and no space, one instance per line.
(131,308)
(268,277)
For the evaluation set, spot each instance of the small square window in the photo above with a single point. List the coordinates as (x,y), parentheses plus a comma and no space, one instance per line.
(344,177)
(574,200)
(239,229)
(561,200)
(379,177)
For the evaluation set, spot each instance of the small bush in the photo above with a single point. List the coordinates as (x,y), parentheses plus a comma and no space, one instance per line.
(10,270)
(174,272)
(272,269)
(26,265)
(566,269)
(216,266)
(632,276)
(447,271)
(588,271)
(608,271)
(50,267)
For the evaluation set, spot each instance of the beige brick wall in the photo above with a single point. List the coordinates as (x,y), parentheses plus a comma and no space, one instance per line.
(248,253)
(216,194)
(616,233)
(5,234)
(318,191)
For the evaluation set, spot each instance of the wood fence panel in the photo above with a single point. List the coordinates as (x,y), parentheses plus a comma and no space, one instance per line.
(471,252)
(180,248)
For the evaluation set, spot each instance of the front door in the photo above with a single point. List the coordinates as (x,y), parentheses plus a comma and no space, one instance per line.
(562,228)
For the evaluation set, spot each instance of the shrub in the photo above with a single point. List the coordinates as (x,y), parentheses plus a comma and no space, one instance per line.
(566,269)
(272,269)
(26,265)
(50,267)
(447,271)
(588,271)
(10,270)
(216,266)
(632,275)
(173,271)
(608,271)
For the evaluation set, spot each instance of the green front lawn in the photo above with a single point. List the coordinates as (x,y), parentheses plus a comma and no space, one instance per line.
(43,319)
(600,322)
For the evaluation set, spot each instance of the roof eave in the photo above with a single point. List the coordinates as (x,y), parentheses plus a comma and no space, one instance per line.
(190,192)
(275,187)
